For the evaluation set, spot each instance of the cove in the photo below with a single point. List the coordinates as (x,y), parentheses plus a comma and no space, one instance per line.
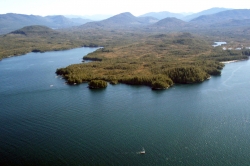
(198,124)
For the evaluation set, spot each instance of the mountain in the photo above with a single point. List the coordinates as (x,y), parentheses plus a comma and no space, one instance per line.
(123,20)
(204,12)
(225,16)
(162,15)
(62,21)
(59,21)
(169,23)
(11,21)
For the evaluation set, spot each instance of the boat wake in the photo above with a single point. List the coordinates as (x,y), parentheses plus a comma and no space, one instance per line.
(141,152)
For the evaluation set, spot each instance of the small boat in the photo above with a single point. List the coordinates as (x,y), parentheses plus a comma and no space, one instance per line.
(142,151)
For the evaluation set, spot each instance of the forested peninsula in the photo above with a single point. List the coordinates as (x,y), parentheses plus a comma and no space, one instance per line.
(156,60)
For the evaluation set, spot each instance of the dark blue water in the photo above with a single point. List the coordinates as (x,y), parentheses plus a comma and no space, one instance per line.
(43,121)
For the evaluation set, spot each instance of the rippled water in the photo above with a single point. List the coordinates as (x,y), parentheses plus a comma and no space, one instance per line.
(43,121)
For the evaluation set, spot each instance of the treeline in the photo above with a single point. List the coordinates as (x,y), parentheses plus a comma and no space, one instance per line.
(76,74)
(156,82)
(220,55)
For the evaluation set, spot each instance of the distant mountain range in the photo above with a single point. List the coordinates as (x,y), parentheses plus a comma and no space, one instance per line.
(96,17)
(226,18)
(212,18)
(221,17)
(162,15)
(12,21)
(165,14)
(205,12)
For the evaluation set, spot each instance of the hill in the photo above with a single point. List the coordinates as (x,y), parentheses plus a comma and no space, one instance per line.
(35,39)
(169,23)
(34,31)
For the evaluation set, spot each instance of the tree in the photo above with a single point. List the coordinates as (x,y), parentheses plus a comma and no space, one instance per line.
(96,84)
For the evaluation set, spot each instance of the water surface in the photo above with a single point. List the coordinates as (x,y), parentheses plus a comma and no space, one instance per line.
(43,121)
(219,43)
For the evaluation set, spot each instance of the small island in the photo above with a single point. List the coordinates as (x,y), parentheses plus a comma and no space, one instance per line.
(159,85)
(97,84)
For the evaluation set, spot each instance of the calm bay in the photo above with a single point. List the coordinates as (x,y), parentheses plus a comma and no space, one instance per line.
(44,121)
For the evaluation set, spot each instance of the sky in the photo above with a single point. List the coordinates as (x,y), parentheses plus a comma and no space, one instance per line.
(112,7)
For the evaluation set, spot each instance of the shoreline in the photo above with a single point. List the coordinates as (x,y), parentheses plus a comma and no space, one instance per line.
(226,62)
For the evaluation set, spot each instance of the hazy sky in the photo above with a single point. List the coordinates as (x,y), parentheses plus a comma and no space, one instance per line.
(91,7)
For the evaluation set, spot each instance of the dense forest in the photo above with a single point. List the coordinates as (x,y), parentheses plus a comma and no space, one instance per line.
(97,84)
(157,60)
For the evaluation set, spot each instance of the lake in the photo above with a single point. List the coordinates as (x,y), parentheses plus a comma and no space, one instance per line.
(219,43)
(44,121)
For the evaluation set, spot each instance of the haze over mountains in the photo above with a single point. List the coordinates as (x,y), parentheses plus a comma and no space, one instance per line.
(162,15)
(224,16)
(165,14)
(229,18)
(205,12)
(96,17)
(215,17)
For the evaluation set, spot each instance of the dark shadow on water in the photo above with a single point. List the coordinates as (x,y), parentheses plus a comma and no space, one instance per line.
(97,90)
(159,91)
